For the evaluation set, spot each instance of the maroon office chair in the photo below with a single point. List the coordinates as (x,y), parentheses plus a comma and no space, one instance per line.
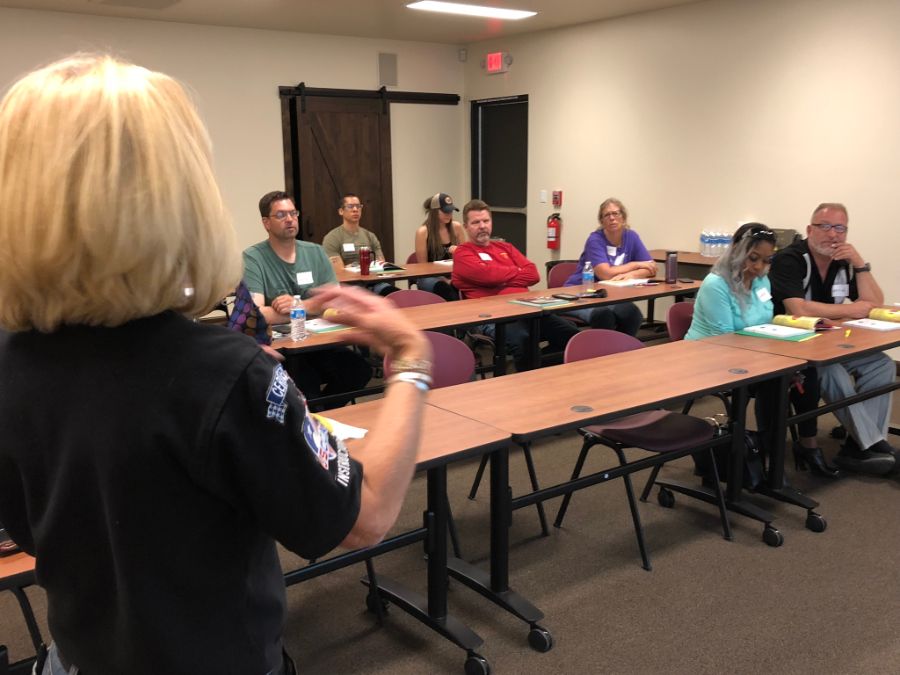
(452,360)
(557,275)
(414,297)
(412,258)
(670,435)
(678,320)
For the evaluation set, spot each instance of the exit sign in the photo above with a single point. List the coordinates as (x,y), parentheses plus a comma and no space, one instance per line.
(497,62)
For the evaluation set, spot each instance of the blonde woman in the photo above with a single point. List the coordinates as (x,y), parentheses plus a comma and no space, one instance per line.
(150,462)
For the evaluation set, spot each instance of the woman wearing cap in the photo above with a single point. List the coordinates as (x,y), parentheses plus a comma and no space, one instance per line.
(737,294)
(437,239)
(615,252)
(149,462)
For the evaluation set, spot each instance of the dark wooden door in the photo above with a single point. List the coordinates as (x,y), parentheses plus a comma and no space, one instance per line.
(339,145)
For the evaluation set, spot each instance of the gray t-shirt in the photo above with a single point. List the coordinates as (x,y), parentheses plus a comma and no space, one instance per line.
(342,243)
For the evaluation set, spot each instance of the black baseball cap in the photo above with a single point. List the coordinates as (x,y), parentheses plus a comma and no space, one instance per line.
(441,201)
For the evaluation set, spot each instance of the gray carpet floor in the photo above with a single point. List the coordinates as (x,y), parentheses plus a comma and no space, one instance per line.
(821,603)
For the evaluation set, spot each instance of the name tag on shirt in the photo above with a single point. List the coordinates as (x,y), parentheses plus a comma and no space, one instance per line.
(485,256)
(840,291)
(611,252)
(763,294)
(304,278)
(349,248)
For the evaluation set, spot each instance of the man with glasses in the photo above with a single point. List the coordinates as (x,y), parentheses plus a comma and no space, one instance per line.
(343,242)
(824,275)
(282,266)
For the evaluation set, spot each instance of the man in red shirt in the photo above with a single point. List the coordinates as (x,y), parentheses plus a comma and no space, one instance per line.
(482,267)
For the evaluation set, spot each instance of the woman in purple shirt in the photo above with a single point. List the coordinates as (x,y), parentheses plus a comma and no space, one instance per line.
(615,252)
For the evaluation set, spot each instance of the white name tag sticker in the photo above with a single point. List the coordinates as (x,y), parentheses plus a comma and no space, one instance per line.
(349,248)
(620,259)
(840,291)
(611,252)
(485,256)
(763,294)
(304,278)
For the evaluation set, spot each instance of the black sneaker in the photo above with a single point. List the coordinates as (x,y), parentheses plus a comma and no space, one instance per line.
(870,461)
(884,448)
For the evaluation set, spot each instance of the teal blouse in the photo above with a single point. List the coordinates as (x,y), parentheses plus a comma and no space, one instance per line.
(718,311)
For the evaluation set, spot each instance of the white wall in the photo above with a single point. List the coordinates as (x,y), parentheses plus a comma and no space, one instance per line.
(235,75)
(704,115)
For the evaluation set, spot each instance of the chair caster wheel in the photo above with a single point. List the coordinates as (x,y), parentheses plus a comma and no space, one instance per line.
(476,664)
(772,537)
(539,639)
(839,432)
(376,604)
(665,498)
(815,522)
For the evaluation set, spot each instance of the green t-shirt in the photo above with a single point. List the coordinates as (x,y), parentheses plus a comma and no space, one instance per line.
(341,242)
(266,273)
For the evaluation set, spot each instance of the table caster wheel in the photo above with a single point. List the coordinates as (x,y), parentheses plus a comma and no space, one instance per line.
(772,537)
(476,664)
(376,604)
(815,522)
(665,498)
(539,639)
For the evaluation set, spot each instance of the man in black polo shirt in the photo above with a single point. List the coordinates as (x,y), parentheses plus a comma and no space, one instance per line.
(824,275)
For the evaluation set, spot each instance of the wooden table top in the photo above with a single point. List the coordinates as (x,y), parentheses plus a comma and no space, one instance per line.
(657,288)
(409,271)
(684,257)
(562,397)
(16,570)
(432,317)
(445,436)
(830,347)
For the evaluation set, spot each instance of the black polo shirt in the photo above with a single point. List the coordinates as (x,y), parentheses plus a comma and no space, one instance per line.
(794,265)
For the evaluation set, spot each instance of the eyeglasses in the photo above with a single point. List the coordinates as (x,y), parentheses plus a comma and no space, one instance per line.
(611,214)
(825,227)
(353,207)
(281,215)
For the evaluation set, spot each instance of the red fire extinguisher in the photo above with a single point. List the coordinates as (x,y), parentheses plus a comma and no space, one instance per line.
(554,231)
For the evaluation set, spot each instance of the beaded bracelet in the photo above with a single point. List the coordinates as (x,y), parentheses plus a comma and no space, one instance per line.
(411,366)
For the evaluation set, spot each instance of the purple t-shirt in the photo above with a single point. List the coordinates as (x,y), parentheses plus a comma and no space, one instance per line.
(598,250)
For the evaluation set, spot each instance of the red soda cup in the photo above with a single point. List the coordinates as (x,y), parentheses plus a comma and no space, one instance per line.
(365,259)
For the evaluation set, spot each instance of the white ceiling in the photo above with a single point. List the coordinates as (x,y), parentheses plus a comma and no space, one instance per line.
(361,18)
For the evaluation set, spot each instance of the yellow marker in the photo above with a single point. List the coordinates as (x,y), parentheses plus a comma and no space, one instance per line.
(847,333)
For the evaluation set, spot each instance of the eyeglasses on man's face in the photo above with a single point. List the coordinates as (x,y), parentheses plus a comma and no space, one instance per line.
(353,207)
(611,214)
(281,215)
(827,227)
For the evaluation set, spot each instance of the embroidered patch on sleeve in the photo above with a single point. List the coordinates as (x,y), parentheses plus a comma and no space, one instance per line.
(317,438)
(276,396)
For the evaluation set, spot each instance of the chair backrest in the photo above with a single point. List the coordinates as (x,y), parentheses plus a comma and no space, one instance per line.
(412,258)
(678,319)
(413,298)
(594,342)
(452,360)
(557,275)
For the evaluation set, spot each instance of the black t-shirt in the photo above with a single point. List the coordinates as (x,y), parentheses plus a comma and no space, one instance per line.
(150,468)
(792,266)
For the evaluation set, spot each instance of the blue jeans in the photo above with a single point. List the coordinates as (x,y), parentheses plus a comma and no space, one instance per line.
(624,317)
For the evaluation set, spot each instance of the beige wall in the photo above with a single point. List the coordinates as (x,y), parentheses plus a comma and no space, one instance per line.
(709,114)
(235,74)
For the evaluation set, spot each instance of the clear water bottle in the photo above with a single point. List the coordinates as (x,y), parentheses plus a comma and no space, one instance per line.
(298,320)
(704,243)
(587,274)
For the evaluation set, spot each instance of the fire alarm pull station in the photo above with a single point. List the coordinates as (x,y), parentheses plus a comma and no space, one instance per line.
(557,199)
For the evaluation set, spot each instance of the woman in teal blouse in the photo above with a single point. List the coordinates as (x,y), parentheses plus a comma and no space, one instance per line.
(736,293)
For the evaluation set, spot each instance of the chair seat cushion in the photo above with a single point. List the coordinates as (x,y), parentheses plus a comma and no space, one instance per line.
(655,430)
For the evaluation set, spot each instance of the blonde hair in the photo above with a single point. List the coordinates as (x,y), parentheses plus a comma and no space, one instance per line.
(110,207)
